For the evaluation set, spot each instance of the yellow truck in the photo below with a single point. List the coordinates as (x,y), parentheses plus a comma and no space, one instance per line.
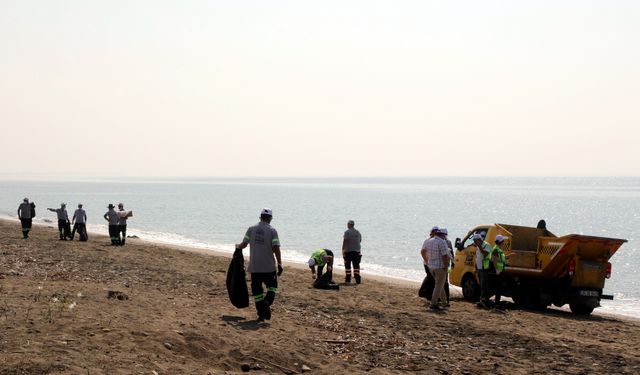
(542,269)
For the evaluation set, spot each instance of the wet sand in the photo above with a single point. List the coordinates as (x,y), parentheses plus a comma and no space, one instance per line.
(90,308)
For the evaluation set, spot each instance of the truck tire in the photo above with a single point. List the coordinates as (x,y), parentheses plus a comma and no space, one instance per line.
(470,287)
(580,309)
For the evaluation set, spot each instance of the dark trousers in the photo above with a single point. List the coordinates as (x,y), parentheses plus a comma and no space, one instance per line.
(270,280)
(26,227)
(81,228)
(122,229)
(485,284)
(496,282)
(352,258)
(114,234)
(432,281)
(64,228)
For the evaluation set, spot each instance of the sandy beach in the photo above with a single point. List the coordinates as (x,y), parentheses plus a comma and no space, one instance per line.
(90,308)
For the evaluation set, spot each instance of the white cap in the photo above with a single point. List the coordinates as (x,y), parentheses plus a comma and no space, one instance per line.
(443,231)
(266,211)
(499,238)
(312,262)
(477,236)
(434,228)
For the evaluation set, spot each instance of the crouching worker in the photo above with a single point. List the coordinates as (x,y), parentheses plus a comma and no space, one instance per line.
(319,259)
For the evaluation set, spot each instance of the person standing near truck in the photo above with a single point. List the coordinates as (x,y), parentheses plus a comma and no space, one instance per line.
(483,249)
(263,243)
(351,252)
(64,226)
(438,263)
(496,262)
(26,212)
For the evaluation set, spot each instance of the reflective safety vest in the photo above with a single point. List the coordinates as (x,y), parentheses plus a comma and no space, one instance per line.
(318,256)
(501,259)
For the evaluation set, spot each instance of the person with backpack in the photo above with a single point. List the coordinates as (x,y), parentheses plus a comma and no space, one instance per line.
(26,213)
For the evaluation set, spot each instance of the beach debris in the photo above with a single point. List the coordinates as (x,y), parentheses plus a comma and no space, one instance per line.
(305,368)
(245,367)
(338,341)
(168,345)
(281,368)
(114,294)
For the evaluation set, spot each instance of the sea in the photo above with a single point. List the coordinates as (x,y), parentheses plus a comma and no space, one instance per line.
(394,215)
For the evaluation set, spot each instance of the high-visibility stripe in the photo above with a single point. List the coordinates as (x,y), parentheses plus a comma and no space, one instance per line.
(275,241)
(272,289)
(247,238)
(259,297)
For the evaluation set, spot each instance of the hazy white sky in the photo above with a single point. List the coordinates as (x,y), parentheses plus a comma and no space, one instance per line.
(324,88)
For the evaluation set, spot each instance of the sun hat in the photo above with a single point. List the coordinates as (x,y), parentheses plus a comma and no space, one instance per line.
(434,228)
(311,262)
(443,231)
(111,205)
(499,238)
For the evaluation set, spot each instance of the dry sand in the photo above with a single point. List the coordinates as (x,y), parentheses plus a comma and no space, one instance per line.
(56,317)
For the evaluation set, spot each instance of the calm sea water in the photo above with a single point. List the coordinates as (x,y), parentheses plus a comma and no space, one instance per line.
(394,215)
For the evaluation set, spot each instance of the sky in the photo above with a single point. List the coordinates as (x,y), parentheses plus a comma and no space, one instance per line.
(319,88)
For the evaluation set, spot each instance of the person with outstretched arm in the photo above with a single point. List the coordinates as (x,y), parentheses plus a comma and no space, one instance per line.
(63,221)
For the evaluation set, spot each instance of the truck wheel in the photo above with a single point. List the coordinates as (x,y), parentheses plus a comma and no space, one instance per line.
(580,309)
(470,288)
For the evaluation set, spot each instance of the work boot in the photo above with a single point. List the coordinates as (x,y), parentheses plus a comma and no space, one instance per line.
(347,279)
(358,279)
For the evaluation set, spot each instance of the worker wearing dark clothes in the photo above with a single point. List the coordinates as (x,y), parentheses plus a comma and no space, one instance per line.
(122,224)
(79,222)
(319,259)
(26,212)
(64,225)
(112,217)
(264,244)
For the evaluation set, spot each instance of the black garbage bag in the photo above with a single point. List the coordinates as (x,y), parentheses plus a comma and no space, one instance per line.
(325,282)
(237,281)
(82,231)
(426,289)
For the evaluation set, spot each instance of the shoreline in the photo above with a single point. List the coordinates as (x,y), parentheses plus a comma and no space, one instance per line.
(88,307)
(456,292)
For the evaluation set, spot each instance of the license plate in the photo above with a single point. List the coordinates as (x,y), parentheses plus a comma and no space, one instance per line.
(588,293)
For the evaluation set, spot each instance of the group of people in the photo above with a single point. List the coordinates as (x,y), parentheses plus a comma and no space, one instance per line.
(117,224)
(79,222)
(490,262)
(437,256)
(117,221)
(265,260)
